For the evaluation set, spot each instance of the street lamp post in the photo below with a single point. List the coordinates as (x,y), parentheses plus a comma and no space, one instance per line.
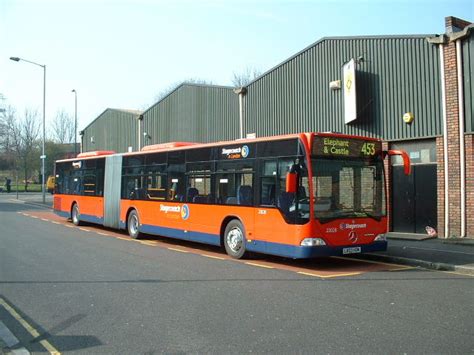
(43,156)
(75,121)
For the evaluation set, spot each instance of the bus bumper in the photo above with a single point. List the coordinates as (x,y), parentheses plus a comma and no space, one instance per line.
(305,252)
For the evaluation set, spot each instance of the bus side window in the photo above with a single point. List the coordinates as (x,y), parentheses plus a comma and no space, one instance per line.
(268,182)
(234,183)
(199,187)
(176,182)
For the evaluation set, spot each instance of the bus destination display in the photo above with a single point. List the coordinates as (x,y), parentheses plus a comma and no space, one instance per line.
(345,147)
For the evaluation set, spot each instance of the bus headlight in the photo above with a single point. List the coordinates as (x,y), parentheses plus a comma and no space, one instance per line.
(312,242)
(381,238)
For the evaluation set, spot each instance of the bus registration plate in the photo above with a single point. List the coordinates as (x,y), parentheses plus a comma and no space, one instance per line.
(353,250)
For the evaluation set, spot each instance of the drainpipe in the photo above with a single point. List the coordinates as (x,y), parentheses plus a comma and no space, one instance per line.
(81,133)
(445,143)
(241,92)
(462,152)
(140,119)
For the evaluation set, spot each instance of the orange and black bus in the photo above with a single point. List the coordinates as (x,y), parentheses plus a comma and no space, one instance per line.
(298,196)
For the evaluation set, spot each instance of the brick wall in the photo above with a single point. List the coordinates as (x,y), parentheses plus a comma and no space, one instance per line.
(440,185)
(452,117)
(452,23)
(469,144)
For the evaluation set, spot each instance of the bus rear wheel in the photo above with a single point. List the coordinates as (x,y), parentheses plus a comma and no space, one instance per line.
(133,225)
(75,215)
(234,239)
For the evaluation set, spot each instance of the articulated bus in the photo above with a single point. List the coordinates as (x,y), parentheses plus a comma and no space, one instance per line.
(298,196)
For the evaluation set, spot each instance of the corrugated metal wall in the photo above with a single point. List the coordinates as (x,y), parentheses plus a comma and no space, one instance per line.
(196,113)
(395,75)
(112,130)
(468,69)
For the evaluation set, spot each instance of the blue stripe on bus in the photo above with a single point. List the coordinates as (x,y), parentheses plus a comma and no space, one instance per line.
(82,217)
(285,250)
(91,219)
(213,239)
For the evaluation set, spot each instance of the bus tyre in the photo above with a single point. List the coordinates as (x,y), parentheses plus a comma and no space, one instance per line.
(234,239)
(75,215)
(133,225)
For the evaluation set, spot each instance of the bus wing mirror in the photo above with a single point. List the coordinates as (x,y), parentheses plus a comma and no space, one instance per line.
(406,160)
(291,182)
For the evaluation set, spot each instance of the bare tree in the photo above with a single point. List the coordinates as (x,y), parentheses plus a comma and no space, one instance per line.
(63,127)
(5,138)
(245,77)
(163,93)
(23,134)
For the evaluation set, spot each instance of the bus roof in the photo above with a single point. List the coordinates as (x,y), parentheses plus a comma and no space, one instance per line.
(172,146)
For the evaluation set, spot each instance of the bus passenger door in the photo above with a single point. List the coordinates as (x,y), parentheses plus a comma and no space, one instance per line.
(270,224)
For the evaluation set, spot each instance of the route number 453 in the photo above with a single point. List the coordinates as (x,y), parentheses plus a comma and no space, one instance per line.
(368,149)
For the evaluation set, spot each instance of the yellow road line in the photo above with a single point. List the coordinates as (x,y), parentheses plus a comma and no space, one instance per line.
(46,344)
(308,274)
(340,275)
(44,219)
(151,244)
(103,233)
(213,257)
(260,265)
(67,225)
(84,229)
(403,268)
(55,222)
(329,276)
(34,217)
(127,239)
(180,250)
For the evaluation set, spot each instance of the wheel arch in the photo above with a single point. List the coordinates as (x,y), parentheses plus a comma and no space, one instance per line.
(129,210)
(74,202)
(224,224)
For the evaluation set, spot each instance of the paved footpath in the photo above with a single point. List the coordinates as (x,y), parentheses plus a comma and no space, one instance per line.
(456,255)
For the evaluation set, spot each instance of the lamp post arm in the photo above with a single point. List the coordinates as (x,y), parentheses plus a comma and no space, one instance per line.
(29,61)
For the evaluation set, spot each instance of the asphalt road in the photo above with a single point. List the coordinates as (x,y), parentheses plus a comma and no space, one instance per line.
(92,290)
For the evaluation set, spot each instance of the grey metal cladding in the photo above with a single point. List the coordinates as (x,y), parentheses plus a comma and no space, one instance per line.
(395,75)
(196,113)
(468,69)
(114,129)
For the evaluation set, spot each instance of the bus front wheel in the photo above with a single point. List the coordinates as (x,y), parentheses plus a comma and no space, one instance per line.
(234,239)
(133,225)
(75,215)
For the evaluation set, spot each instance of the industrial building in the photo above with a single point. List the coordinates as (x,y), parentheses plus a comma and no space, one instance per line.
(114,129)
(414,92)
(193,113)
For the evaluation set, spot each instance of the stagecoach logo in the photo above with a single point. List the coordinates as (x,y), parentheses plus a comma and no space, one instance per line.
(236,153)
(182,210)
(185,212)
(353,237)
(352,226)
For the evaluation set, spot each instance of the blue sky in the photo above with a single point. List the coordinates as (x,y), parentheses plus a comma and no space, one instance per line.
(122,53)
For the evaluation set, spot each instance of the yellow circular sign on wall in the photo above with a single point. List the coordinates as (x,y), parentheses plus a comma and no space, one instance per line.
(408,117)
